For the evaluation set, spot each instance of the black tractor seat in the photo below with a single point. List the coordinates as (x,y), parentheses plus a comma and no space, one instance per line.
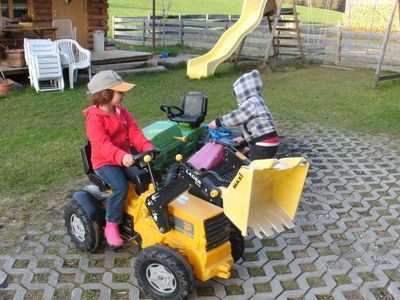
(86,152)
(141,181)
(193,109)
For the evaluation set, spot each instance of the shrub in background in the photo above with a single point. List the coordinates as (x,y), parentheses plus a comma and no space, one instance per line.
(370,18)
(338,5)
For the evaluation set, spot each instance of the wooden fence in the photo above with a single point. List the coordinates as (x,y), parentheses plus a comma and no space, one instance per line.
(323,42)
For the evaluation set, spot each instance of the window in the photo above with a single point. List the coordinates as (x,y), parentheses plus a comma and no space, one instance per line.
(14,8)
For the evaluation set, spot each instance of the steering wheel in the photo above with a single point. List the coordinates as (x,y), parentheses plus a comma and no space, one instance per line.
(172,111)
(139,158)
(223,136)
(219,132)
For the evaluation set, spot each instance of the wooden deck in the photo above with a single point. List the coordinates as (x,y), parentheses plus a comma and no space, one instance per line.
(98,58)
(118,56)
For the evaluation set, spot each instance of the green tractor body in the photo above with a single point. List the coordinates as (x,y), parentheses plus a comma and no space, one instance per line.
(173,138)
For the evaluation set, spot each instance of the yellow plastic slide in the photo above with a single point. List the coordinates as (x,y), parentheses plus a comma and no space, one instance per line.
(205,65)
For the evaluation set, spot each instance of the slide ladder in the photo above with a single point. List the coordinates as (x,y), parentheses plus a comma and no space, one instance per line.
(284,35)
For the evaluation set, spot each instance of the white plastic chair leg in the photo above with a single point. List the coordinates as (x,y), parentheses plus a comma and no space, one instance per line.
(71,78)
(75,75)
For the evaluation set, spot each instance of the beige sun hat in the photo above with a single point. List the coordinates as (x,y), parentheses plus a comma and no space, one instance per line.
(108,80)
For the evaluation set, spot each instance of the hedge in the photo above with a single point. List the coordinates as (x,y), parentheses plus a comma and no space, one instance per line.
(338,5)
(370,18)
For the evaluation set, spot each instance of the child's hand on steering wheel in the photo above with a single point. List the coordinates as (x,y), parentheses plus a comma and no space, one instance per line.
(127,160)
(212,124)
(238,139)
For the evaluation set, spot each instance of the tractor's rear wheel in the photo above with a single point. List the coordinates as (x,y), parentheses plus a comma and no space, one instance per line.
(84,233)
(164,273)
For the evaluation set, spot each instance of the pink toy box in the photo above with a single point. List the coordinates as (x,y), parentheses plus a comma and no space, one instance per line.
(210,155)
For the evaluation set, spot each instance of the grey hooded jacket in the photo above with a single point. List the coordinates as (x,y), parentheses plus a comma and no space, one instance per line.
(252,114)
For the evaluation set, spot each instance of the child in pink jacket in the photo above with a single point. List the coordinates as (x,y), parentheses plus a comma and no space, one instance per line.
(111,131)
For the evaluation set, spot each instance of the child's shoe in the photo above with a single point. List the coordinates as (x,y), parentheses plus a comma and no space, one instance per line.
(111,231)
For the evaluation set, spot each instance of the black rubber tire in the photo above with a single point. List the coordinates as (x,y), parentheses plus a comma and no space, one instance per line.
(237,243)
(174,262)
(92,231)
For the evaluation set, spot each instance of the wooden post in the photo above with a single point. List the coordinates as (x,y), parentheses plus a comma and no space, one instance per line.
(180,30)
(384,46)
(398,7)
(163,26)
(238,52)
(159,33)
(272,34)
(273,41)
(1,20)
(113,27)
(10,9)
(30,7)
(154,28)
(296,22)
(144,32)
(339,39)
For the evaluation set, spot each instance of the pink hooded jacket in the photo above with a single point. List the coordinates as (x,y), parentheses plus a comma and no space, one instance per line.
(111,136)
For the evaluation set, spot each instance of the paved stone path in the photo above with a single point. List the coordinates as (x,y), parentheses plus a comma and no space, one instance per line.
(345,244)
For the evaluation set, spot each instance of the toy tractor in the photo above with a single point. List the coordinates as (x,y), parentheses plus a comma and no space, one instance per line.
(182,132)
(182,236)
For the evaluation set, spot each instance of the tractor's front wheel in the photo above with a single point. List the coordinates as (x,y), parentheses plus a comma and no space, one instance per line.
(84,233)
(164,273)
(237,243)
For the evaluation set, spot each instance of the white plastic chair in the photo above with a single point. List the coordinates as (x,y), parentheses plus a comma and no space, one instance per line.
(48,69)
(65,30)
(75,57)
(36,47)
(44,65)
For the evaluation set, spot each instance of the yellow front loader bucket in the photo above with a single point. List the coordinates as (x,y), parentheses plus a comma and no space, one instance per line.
(264,196)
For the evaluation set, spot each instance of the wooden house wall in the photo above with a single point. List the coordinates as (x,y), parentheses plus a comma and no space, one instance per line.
(96,12)
(43,11)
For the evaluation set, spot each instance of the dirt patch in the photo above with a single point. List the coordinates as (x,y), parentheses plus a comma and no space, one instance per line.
(18,215)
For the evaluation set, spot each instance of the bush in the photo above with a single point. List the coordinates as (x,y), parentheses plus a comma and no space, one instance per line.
(338,5)
(368,18)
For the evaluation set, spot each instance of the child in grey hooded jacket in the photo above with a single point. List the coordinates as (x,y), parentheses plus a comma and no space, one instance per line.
(253,115)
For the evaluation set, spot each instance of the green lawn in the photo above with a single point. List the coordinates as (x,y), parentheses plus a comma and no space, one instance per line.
(41,134)
(143,8)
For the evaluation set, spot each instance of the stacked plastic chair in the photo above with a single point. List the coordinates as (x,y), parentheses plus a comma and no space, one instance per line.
(44,65)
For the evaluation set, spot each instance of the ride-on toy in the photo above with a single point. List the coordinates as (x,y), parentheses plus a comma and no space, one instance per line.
(183,236)
(190,225)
